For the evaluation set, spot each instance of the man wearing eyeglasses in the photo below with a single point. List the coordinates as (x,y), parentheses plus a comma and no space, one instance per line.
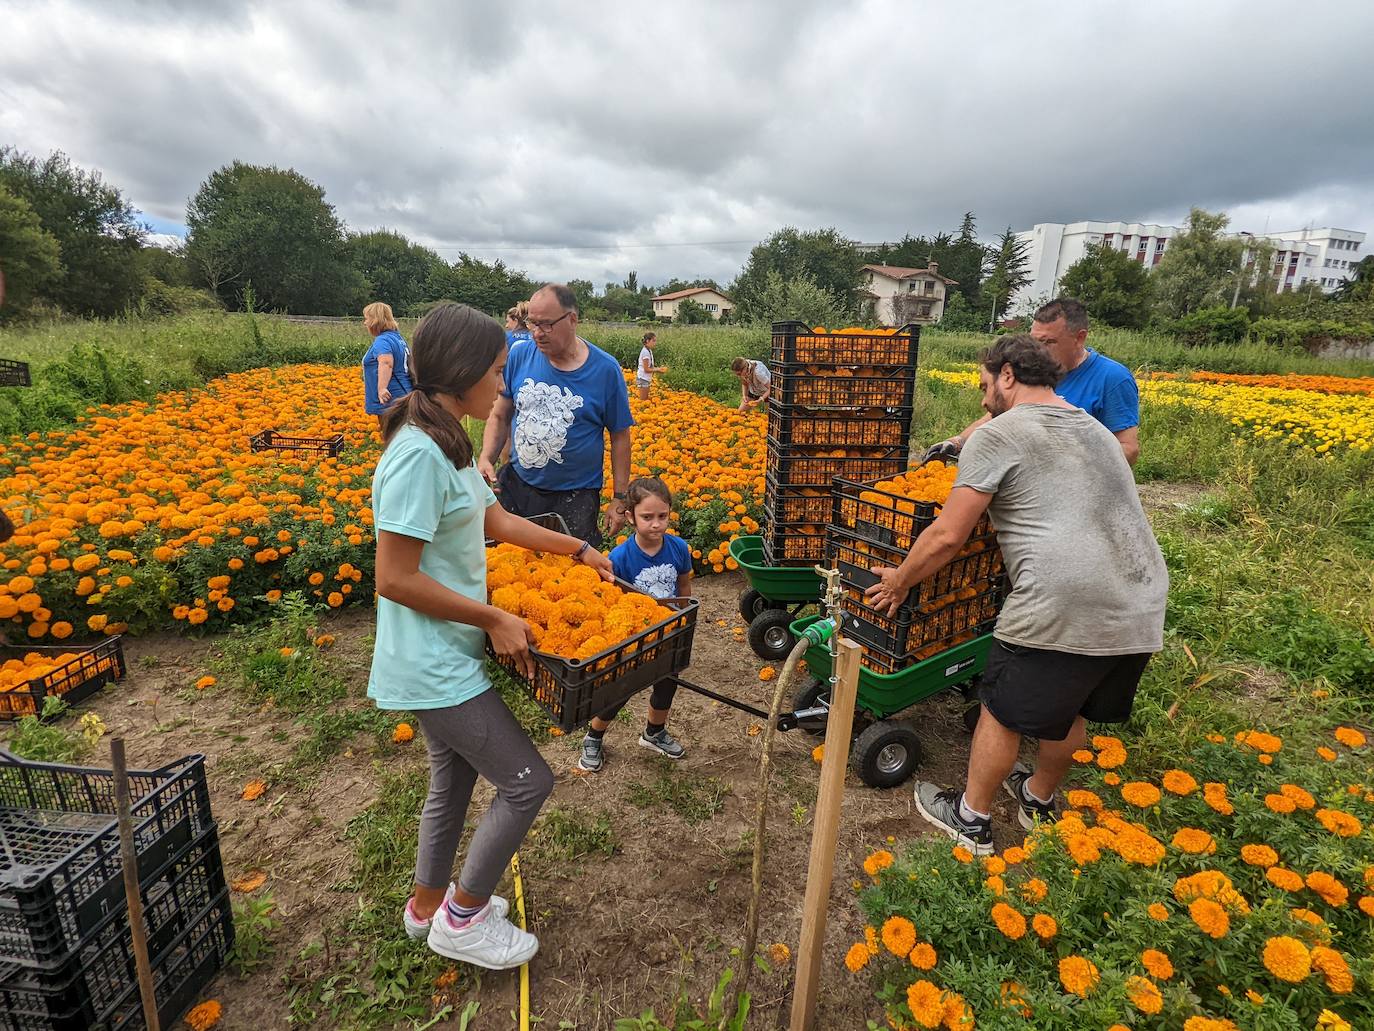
(562,395)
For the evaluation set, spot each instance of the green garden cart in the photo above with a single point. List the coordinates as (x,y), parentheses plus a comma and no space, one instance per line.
(775,598)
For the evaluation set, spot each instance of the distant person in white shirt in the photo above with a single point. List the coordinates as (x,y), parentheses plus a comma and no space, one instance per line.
(755,382)
(644,371)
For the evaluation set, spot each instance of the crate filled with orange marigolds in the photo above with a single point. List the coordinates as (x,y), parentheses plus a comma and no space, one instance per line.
(876,524)
(840,404)
(29,674)
(596,644)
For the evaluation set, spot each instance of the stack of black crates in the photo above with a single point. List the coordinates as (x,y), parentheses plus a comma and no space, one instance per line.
(840,405)
(66,954)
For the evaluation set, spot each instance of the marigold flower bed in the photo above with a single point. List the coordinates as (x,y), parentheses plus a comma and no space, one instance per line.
(1237,895)
(149,515)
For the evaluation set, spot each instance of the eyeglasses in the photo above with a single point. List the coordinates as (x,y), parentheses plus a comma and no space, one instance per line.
(544,327)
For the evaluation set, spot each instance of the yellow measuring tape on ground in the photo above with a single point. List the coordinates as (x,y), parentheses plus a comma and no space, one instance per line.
(520,919)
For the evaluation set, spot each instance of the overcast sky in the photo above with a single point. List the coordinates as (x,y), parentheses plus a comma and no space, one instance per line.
(585,140)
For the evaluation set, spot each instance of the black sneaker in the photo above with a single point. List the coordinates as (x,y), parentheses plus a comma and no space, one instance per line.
(593,754)
(941,807)
(1030,810)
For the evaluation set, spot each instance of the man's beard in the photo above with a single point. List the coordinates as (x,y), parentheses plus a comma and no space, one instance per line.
(997,403)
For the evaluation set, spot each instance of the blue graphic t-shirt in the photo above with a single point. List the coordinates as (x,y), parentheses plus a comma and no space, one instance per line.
(515,336)
(1105,389)
(389,342)
(655,575)
(558,434)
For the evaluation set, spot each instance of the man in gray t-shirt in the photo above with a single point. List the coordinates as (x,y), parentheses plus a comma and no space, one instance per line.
(1088,587)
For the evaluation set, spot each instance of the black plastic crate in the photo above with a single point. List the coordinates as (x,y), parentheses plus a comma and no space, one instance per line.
(883,518)
(271,440)
(979,562)
(94,667)
(821,386)
(911,639)
(61,875)
(797,468)
(818,428)
(795,504)
(14,373)
(793,544)
(796,342)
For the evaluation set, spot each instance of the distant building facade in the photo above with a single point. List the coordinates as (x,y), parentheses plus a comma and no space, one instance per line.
(1325,256)
(896,296)
(715,302)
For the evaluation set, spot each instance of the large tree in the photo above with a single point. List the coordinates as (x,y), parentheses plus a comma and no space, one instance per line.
(397,271)
(960,256)
(271,227)
(489,288)
(800,298)
(1114,286)
(94,227)
(1200,267)
(1008,270)
(30,258)
(823,257)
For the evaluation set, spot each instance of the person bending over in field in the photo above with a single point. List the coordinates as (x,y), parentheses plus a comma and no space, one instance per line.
(1088,587)
(659,564)
(433,512)
(1103,388)
(756,382)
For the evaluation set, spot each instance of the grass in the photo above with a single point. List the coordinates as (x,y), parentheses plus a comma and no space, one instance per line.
(564,835)
(692,796)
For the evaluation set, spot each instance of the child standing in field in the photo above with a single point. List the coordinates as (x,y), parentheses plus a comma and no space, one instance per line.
(659,564)
(432,512)
(644,371)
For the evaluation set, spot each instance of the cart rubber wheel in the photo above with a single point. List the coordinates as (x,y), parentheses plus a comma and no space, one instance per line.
(807,696)
(886,753)
(753,604)
(769,635)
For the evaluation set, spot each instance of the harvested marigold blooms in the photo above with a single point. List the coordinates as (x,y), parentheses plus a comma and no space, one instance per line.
(404,732)
(779,953)
(205,1016)
(204,682)
(767,673)
(249,882)
(818,754)
(253,790)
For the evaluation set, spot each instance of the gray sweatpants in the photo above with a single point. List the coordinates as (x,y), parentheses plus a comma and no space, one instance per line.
(478,736)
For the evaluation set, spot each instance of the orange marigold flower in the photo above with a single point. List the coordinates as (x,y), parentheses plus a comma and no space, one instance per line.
(253,790)
(1350,737)
(1281,804)
(1326,753)
(1111,779)
(1178,782)
(1157,964)
(1014,856)
(879,860)
(1341,824)
(1215,796)
(1011,923)
(996,885)
(1014,998)
(1144,995)
(1140,794)
(922,956)
(205,681)
(205,1016)
(1044,926)
(926,1003)
(1209,917)
(1194,842)
(899,935)
(1080,799)
(404,732)
(1259,741)
(994,864)
(856,958)
(1083,756)
(767,673)
(1035,890)
(1258,855)
(1209,1024)
(958,1013)
(1301,798)
(1157,911)
(1287,959)
(1366,905)
(871,940)
(1332,891)
(1078,975)
(962,854)
(1282,877)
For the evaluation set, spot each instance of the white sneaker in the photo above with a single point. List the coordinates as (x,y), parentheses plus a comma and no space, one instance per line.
(419,929)
(488,940)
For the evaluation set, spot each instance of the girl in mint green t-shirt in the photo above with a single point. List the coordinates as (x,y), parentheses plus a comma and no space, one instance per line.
(433,512)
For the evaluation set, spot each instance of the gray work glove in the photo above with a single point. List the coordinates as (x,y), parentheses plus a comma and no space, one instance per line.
(944,450)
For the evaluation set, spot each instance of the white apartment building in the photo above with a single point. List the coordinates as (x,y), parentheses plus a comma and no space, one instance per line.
(1327,256)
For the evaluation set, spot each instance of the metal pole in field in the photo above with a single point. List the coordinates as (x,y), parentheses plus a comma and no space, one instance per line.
(820,872)
(135,900)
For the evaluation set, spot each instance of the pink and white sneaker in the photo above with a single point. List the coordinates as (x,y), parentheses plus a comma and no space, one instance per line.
(419,929)
(487,940)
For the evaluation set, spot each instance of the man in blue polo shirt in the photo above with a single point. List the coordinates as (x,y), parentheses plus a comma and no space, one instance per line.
(561,398)
(1103,388)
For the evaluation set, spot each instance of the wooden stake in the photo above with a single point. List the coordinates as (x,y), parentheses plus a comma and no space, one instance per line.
(127,852)
(829,799)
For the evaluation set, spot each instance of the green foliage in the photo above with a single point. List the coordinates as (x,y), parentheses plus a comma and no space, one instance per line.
(1307,333)
(1115,287)
(564,835)
(1360,286)
(93,224)
(822,259)
(278,661)
(959,255)
(1199,269)
(271,227)
(686,1017)
(1219,325)
(33,262)
(691,313)
(489,288)
(692,796)
(254,925)
(959,316)
(398,272)
(1008,270)
(40,739)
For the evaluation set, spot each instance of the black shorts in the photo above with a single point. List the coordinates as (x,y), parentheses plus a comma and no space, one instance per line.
(580,509)
(1040,693)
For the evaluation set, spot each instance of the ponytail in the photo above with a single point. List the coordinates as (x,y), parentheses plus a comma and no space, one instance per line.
(420,410)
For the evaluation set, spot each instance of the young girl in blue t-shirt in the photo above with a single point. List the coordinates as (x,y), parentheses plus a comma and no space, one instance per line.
(659,564)
(433,512)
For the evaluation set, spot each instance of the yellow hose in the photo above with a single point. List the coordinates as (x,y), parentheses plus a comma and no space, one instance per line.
(524,967)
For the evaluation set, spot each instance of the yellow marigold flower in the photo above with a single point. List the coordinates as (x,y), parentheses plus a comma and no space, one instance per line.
(1258,855)
(1301,798)
(1044,926)
(926,1003)
(205,1016)
(879,860)
(1011,923)
(1331,1021)
(1332,891)
(1157,964)
(1341,824)
(856,958)
(1350,737)
(962,854)
(1144,995)
(1281,804)
(1334,969)
(1078,975)
(403,733)
(922,956)
(1209,917)
(1140,794)
(899,935)
(1287,959)
(1178,782)
(1215,797)
(1034,890)
(1194,842)
(1157,911)
(1282,877)
(1254,996)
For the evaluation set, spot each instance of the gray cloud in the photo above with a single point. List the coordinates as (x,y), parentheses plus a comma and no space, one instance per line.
(602,127)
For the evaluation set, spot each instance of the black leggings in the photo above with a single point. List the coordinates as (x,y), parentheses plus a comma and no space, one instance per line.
(661,698)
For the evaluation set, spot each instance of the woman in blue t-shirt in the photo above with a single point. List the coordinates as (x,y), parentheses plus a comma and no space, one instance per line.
(659,564)
(386,365)
(433,512)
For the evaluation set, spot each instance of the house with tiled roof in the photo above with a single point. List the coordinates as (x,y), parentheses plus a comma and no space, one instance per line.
(715,302)
(896,296)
